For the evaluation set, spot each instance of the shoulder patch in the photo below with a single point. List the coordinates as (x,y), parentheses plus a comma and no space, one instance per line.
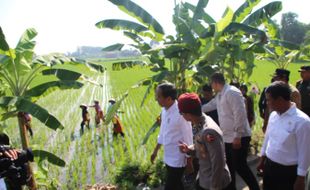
(209,137)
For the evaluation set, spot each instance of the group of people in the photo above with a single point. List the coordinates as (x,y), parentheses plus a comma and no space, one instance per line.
(100,116)
(216,144)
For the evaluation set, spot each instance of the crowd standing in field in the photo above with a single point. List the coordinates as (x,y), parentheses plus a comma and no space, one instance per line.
(285,157)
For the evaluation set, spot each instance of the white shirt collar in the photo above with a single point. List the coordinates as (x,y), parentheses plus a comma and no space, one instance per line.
(172,107)
(290,111)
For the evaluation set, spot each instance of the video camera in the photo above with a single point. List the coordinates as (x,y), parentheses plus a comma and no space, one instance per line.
(15,170)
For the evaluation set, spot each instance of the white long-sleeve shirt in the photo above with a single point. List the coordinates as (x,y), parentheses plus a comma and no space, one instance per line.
(287,139)
(174,128)
(231,110)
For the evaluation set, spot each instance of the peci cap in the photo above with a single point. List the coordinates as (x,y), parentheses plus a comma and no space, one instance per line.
(189,103)
(281,73)
(304,68)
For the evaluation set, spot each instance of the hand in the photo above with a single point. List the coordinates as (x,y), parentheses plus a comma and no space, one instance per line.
(236,144)
(12,154)
(183,147)
(260,167)
(299,183)
(153,156)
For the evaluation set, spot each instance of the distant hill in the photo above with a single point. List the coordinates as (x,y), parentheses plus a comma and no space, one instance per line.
(96,52)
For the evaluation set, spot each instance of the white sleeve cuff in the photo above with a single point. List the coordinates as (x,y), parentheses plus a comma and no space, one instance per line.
(301,172)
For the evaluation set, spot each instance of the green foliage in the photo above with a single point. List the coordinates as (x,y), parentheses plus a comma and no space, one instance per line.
(130,174)
(27,78)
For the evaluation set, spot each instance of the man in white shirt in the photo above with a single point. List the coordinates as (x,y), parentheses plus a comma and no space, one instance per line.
(173,129)
(230,106)
(285,152)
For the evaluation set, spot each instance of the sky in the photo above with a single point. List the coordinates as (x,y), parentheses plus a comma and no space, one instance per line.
(63,25)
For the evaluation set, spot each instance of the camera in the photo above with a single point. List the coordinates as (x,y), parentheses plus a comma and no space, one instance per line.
(15,170)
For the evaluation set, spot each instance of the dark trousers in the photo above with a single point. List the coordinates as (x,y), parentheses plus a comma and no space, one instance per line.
(241,165)
(174,178)
(231,167)
(278,177)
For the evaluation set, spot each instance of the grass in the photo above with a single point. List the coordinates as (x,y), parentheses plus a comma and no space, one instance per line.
(264,69)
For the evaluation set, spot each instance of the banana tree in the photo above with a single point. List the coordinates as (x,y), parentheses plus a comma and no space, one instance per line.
(236,40)
(201,46)
(27,78)
(281,53)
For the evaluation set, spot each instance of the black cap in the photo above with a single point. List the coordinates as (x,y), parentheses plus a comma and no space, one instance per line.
(304,68)
(281,73)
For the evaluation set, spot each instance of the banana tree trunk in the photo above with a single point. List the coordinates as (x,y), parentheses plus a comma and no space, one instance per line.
(183,75)
(25,144)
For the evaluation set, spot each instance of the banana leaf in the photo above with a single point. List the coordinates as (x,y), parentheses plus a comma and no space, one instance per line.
(4,46)
(150,132)
(113,110)
(260,15)
(50,157)
(35,110)
(137,12)
(244,10)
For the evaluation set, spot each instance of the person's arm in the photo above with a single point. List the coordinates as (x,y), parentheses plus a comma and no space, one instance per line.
(296,98)
(236,101)
(261,105)
(187,149)
(210,106)
(159,143)
(216,152)
(186,129)
(251,110)
(260,165)
(299,183)
(303,141)
(154,154)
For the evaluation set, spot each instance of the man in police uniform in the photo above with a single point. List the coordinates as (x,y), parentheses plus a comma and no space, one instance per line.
(303,86)
(208,146)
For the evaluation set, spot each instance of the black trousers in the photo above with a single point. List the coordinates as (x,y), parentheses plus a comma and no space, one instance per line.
(278,177)
(231,166)
(174,178)
(241,165)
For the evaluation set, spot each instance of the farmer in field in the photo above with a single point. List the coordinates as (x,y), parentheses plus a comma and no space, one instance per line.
(117,125)
(27,122)
(99,113)
(85,117)
(230,106)
(173,128)
(208,144)
(285,151)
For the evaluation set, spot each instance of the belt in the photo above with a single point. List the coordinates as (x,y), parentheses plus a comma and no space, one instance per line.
(268,161)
